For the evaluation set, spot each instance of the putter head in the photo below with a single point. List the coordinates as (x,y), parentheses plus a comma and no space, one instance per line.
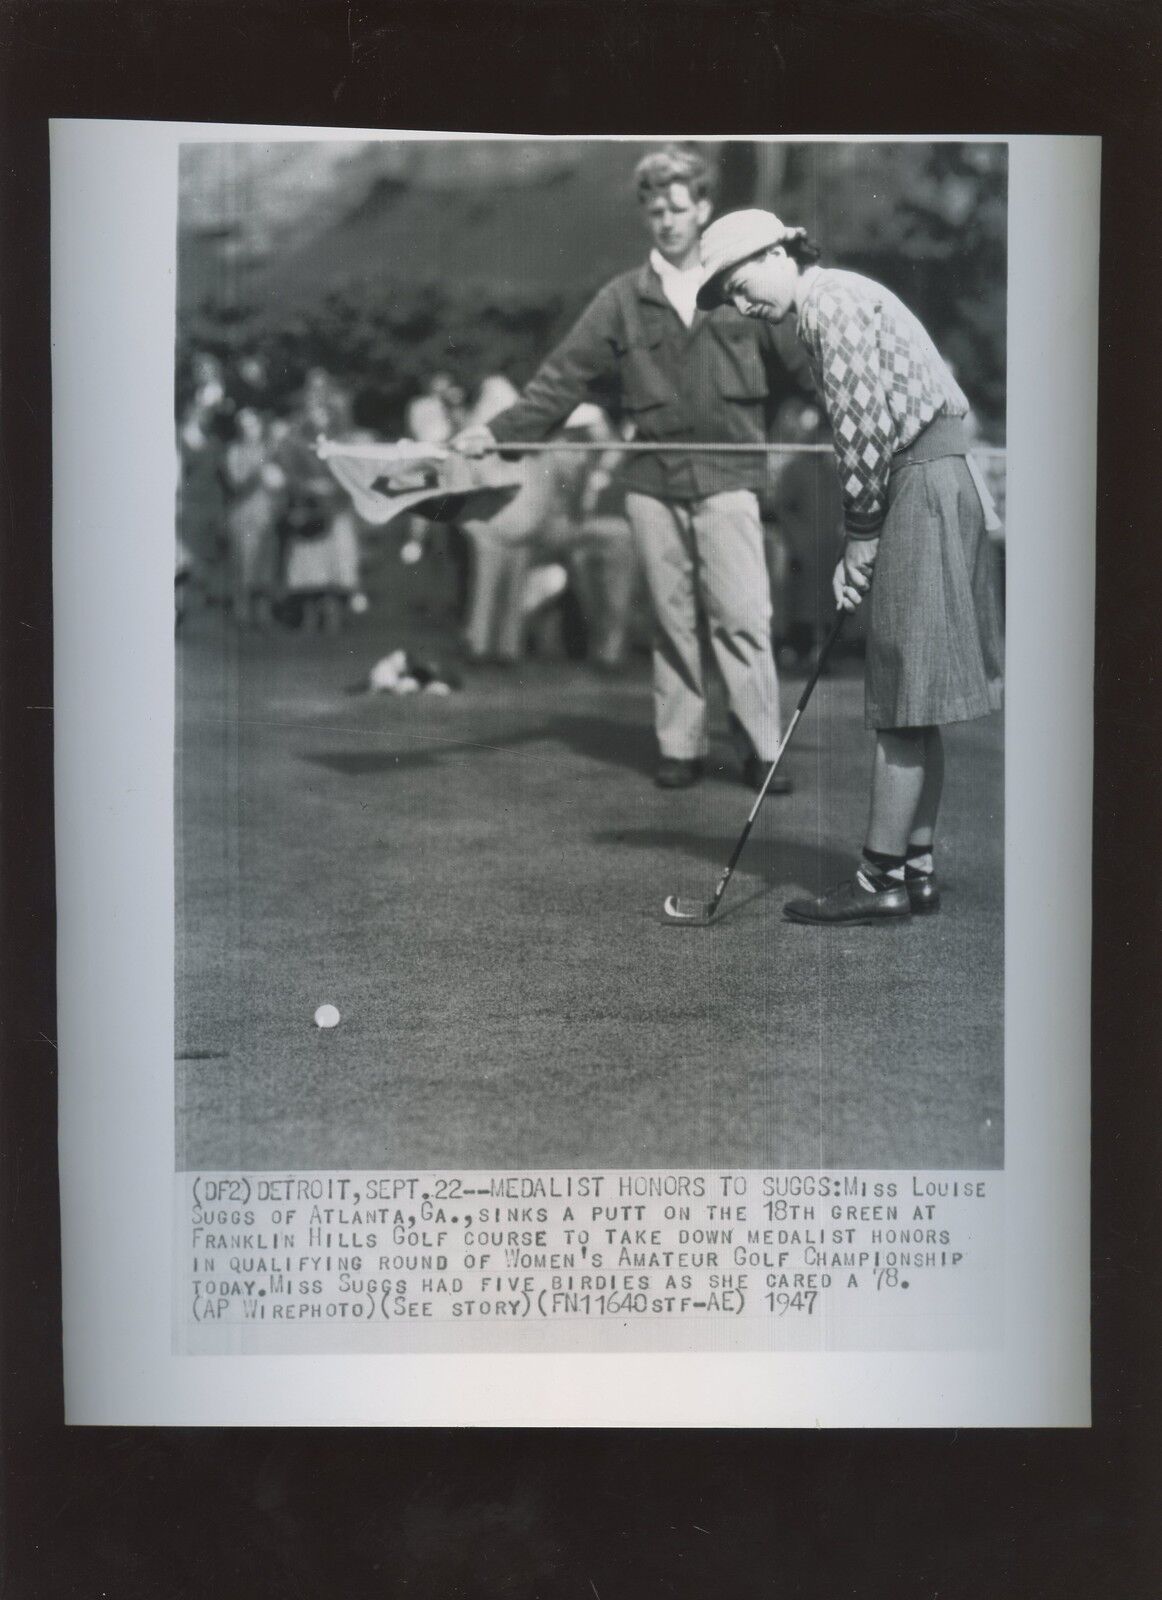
(687,913)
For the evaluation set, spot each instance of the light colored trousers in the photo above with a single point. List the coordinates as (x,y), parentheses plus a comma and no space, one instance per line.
(494,629)
(709,554)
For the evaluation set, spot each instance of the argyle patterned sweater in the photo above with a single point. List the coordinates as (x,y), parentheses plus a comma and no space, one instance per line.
(882,381)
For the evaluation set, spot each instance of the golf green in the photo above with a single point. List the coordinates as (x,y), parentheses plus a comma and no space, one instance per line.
(476,882)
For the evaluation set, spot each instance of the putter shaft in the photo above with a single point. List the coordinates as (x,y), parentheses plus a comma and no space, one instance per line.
(716,900)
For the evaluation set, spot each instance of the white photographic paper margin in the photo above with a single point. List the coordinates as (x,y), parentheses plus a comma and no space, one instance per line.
(114,220)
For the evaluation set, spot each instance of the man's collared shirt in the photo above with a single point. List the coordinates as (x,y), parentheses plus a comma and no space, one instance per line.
(679,285)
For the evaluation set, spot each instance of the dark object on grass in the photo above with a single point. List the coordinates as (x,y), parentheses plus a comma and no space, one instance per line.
(699,913)
(401,673)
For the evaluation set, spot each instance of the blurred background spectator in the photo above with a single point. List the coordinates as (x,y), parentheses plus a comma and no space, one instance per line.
(433,417)
(201,508)
(320,526)
(589,533)
(256,485)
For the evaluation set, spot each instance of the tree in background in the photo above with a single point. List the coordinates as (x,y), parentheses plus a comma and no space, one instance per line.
(928,220)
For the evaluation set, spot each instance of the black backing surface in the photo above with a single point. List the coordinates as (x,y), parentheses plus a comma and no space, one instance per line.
(131,1513)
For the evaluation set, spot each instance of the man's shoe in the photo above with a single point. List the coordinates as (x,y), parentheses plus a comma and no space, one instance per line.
(754,774)
(852,903)
(675,774)
(923,893)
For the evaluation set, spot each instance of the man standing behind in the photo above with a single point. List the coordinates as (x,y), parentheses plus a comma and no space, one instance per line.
(681,374)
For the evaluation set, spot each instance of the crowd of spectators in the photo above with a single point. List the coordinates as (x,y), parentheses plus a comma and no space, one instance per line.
(266,534)
(261,522)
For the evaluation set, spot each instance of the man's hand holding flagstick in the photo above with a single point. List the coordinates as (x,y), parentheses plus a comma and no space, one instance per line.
(474,442)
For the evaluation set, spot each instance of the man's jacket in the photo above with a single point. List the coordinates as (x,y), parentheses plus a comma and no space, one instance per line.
(716,381)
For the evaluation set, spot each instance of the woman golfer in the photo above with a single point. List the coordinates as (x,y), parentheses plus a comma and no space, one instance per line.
(914,511)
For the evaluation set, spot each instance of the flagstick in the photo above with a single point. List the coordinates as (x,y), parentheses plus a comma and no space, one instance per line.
(393,454)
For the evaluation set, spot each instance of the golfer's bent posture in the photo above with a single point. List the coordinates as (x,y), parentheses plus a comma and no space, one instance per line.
(913,511)
(681,374)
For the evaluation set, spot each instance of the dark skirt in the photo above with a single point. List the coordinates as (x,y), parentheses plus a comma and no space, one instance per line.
(935,650)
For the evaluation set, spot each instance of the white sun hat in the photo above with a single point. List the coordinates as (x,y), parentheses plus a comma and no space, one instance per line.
(732,239)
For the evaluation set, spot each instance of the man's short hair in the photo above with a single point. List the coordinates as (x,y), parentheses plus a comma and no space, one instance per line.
(675,163)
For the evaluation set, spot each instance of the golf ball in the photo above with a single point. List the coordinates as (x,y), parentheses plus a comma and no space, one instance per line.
(326,1016)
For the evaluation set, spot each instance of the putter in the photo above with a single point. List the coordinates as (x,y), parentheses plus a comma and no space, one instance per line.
(700,913)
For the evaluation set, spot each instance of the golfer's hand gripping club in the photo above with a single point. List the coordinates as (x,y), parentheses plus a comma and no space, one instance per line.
(853,575)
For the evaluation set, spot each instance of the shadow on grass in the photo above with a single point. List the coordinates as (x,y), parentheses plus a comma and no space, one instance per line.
(779,861)
(600,739)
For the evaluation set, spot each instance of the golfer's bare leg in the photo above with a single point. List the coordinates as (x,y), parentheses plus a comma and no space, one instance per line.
(664,540)
(923,831)
(899,777)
